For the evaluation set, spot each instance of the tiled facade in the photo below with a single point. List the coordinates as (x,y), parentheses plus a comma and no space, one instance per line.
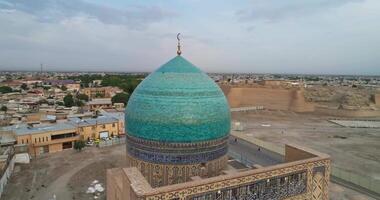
(301,178)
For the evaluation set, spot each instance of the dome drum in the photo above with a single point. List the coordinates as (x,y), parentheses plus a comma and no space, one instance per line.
(176,153)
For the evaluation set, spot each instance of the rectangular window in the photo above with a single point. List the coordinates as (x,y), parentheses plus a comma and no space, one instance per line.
(114,124)
(47,138)
(35,140)
(27,141)
(43,139)
(39,139)
(22,141)
(61,136)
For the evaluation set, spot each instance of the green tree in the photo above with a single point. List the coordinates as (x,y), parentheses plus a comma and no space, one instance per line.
(68,100)
(79,145)
(83,97)
(120,98)
(63,88)
(99,95)
(60,103)
(24,86)
(79,103)
(5,89)
(4,108)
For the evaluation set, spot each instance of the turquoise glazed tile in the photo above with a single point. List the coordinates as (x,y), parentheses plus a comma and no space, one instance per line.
(178,103)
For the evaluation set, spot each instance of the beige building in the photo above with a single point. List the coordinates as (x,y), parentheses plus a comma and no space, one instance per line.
(56,137)
(47,139)
(100,92)
(94,128)
(96,104)
(73,86)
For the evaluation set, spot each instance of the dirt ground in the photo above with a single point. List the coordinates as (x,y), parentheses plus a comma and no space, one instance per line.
(67,174)
(352,149)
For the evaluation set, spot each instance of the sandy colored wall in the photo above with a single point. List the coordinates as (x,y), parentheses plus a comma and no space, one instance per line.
(377,100)
(55,147)
(119,186)
(294,154)
(270,98)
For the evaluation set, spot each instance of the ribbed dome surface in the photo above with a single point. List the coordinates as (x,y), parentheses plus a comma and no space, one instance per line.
(178,103)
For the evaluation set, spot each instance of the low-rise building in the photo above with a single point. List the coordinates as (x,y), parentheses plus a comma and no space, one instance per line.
(46,138)
(97,104)
(95,128)
(100,92)
(49,138)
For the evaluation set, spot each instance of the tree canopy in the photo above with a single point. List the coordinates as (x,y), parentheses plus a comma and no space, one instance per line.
(4,108)
(63,88)
(79,145)
(24,86)
(68,100)
(120,98)
(125,82)
(5,89)
(83,97)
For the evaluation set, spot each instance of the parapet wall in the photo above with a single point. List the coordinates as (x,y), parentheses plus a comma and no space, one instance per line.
(305,177)
(377,100)
(271,98)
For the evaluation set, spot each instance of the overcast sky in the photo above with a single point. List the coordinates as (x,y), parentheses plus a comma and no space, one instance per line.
(259,36)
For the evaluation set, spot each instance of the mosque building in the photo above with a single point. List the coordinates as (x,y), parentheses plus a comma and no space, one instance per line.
(178,128)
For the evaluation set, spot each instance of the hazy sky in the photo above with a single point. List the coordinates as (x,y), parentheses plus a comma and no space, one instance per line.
(260,36)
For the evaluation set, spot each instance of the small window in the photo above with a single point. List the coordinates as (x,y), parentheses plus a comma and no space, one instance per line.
(43,139)
(47,138)
(104,126)
(114,124)
(39,139)
(35,140)
(27,141)
(22,141)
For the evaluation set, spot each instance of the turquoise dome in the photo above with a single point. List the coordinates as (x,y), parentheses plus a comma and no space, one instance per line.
(178,103)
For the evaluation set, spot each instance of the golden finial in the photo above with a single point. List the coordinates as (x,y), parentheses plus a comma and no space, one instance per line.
(179,45)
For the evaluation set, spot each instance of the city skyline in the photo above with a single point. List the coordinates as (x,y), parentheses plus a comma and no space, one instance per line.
(287,37)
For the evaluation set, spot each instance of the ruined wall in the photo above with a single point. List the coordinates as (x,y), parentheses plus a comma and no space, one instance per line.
(271,98)
(377,100)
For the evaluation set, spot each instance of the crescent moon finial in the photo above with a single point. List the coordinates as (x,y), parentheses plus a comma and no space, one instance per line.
(179,45)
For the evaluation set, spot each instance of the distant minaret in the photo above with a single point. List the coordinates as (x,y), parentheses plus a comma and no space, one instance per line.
(41,68)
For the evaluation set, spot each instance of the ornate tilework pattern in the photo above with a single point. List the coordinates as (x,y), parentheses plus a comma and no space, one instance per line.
(176,153)
(178,103)
(166,174)
(188,192)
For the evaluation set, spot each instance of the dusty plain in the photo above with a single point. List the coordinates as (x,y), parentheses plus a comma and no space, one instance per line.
(352,149)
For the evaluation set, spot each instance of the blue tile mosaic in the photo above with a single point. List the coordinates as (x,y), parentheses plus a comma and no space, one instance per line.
(178,103)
